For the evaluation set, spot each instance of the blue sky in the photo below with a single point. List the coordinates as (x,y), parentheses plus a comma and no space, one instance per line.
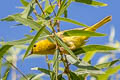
(83,13)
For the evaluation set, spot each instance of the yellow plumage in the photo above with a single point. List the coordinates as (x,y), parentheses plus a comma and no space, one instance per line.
(46,47)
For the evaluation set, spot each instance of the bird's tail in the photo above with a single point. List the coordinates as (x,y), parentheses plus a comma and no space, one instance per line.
(99,24)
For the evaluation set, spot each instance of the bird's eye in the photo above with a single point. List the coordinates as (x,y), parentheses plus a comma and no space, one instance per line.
(34,45)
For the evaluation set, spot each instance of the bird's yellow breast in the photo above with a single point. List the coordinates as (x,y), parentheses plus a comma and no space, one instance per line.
(42,46)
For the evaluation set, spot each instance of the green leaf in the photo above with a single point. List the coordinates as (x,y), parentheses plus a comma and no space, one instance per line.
(9,18)
(82,33)
(88,71)
(65,13)
(28,10)
(73,76)
(37,77)
(107,64)
(63,7)
(30,77)
(4,49)
(66,48)
(34,40)
(81,64)
(24,2)
(97,48)
(24,40)
(88,56)
(46,3)
(83,67)
(42,70)
(91,2)
(18,42)
(56,62)
(60,77)
(49,9)
(70,21)
(27,22)
(5,76)
(108,73)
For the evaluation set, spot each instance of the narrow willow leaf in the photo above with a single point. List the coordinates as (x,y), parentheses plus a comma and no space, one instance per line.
(49,9)
(108,73)
(91,2)
(66,48)
(5,76)
(42,70)
(60,77)
(74,76)
(4,49)
(17,25)
(70,21)
(107,64)
(23,47)
(88,56)
(9,18)
(82,33)
(34,40)
(18,42)
(63,7)
(37,77)
(24,2)
(23,41)
(46,3)
(88,71)
(83,65)
(29,77)
(66,13)
(56,63)
(27,22)
(28,10)
(98,48)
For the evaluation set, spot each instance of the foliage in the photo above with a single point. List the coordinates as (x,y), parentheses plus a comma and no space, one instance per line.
(44,26)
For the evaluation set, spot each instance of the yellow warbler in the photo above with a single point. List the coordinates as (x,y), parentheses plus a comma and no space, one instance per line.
(44,47)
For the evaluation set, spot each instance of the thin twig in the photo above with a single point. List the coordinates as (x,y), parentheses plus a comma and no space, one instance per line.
(52,7)
(16,68)
(35,12)
(58,25)
(57,46)
(57,21)
(40,6)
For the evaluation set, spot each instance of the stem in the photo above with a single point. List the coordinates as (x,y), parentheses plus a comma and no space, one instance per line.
(67,68)
(52,7)
(40,6)
(16,68)
(35,12)
(57,46)
(48,65)
(58,22)
(14,72)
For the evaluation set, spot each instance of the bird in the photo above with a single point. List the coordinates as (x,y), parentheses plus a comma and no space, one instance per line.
(45,47)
